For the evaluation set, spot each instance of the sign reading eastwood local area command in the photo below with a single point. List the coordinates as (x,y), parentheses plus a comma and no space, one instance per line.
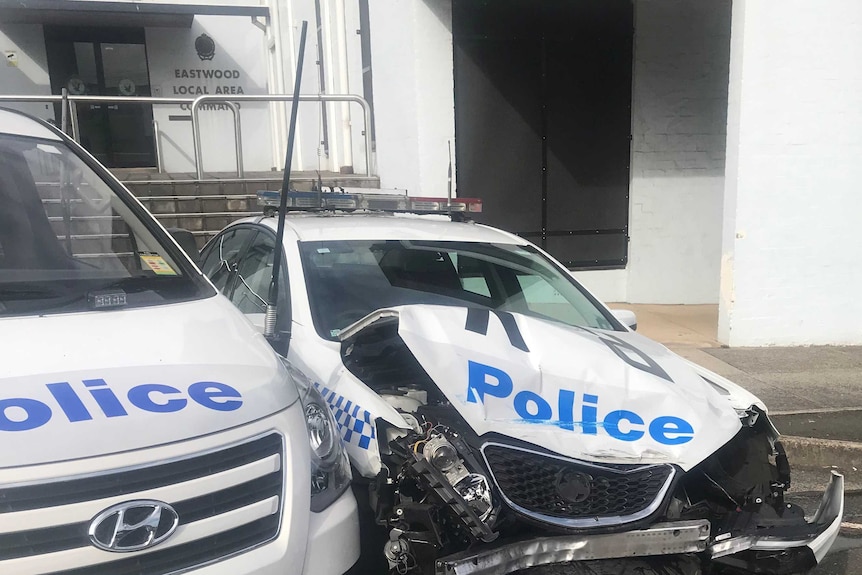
(194,89)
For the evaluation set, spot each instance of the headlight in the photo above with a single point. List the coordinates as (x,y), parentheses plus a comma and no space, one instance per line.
(330,468)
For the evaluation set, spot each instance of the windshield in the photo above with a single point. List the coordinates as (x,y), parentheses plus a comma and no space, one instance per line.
(69,243)
(347,280)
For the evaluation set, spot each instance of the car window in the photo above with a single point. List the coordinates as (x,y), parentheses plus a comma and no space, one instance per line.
(254,274)
(66,234)
(347,280)
(222,254)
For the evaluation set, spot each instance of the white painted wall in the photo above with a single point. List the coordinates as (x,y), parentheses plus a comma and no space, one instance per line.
(30,76)
(411,51)
(792,258)
(678,150)
(240,50)
(607,285)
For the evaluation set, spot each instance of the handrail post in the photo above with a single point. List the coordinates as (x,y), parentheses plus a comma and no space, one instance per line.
(237,138)
(64,111)
(366,109)
(157,136)
(76,128)
(196,139)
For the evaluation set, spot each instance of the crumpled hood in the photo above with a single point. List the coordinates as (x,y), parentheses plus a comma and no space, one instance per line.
(597,395)
(86,384)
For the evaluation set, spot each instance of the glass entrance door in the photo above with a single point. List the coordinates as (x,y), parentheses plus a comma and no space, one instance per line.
(105,62)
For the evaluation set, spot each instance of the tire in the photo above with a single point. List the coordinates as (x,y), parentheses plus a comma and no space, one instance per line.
(672,565)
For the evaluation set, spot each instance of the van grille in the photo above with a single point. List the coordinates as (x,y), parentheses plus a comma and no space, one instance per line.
(231,498)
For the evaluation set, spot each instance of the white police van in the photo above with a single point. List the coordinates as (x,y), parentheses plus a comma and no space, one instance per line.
(145,426)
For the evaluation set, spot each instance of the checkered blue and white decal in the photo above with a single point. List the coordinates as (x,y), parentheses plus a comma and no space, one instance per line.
(356,424)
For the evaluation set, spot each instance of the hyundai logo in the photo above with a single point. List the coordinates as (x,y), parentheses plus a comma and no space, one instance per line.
(133,525)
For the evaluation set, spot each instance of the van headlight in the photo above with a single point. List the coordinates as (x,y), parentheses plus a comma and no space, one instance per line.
(330,468)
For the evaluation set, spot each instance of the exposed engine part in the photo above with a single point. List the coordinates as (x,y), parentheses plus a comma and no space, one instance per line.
(397,553)
(477,493)
(433,479)
(442,455)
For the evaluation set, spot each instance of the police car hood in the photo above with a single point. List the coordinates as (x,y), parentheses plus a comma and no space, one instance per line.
(603,396)
(86,384)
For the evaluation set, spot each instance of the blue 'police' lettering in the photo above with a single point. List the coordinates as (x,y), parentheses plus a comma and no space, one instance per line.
(69,401)
(566,407)
(106,399)
(590,414)
(36,414)
(479,385)
(612,425)
(23,414)
(671,430)
(624,425)
(532,406)
(142,397)
(207,393)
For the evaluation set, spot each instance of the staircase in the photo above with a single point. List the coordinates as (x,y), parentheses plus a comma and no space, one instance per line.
(205,207)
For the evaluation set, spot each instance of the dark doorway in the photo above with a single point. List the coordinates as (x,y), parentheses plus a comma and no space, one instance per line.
(543,121)
(105,62)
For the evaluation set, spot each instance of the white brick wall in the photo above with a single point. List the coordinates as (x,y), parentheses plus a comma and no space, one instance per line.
(792,254)
(678,131)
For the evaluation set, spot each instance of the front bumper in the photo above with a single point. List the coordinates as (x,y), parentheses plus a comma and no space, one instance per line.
(681,537)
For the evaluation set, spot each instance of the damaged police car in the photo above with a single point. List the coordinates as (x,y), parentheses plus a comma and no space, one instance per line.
(498,416)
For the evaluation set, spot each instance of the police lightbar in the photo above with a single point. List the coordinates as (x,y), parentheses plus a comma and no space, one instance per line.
(378,200)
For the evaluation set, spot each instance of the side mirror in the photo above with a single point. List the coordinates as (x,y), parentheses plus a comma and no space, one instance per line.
(626,317)
(187,241)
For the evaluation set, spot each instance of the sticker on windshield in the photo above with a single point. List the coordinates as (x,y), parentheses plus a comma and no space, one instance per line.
(48,148)
(158,264)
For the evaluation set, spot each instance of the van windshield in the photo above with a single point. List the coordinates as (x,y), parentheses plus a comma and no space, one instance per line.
(347,280)
(68,242)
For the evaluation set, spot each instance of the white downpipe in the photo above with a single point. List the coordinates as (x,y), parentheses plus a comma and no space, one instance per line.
(343,84)
(331,86)
(273,84)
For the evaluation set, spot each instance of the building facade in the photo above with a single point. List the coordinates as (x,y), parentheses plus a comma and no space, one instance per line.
(670,151)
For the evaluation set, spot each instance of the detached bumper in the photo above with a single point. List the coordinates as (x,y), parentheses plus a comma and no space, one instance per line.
(798,551)
(802,548)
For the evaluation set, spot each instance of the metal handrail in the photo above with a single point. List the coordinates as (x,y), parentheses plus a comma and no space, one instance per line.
(195,106)
(322,98)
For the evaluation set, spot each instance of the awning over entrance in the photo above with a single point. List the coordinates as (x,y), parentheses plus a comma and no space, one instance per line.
(118,13)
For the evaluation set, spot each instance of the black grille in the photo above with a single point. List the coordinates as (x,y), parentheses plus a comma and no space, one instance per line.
(71,536)
(566,489)
(123,482)
(192,554)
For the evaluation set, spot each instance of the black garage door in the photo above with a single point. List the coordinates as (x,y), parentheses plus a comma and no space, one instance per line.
(543,121)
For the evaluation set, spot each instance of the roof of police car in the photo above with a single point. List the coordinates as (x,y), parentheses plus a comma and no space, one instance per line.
(18,124)
(320,226)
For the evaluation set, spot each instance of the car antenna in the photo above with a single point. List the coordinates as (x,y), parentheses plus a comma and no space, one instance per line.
(269,322)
